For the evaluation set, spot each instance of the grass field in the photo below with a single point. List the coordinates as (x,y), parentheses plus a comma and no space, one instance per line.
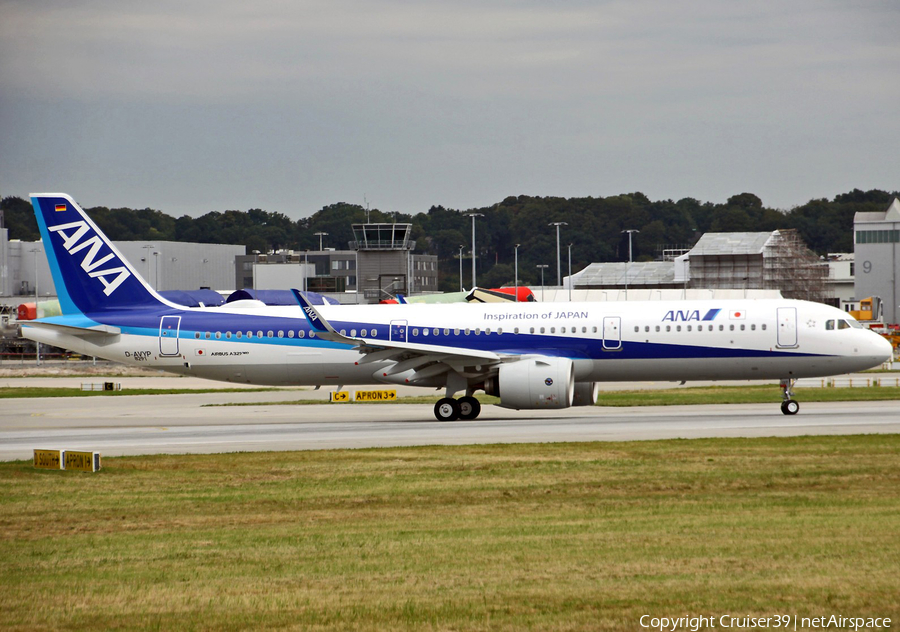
(584,536)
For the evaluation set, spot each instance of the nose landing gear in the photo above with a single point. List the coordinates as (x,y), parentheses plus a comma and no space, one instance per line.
(789,406)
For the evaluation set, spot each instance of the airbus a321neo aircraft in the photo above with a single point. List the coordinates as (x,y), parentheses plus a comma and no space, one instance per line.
(530,355)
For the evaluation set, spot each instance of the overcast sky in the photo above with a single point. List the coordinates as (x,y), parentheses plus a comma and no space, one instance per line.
(189,107)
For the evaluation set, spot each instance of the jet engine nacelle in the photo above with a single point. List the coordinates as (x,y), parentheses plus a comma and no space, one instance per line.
(534,382)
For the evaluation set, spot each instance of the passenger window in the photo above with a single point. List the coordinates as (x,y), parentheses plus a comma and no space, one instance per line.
(446,332)
(270,334)
(657,329)
(239,334)
(829,325)
(637,329)
(425,332)
(312,334)
(677,327)
(301,334)
(532,330)
(436,331)
(415,331)
(281,333)
(553,330)
(218,335)
(500,331)
(542,330)
(515,331)
(731,327)
(259,334)
(353,333)
(668,327)
(721,327)
(197,335)
(487,332)
(249,334)
(364,333)
(753,327)
(456,332)
(343,332)
(478,331)
(763,327)
(584,330)
(467,331)
(228,335)
(688,327)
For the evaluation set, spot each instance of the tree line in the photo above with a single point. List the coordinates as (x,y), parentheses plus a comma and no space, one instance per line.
(594,228)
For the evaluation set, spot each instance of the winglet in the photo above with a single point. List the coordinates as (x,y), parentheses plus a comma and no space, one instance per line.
(317,323)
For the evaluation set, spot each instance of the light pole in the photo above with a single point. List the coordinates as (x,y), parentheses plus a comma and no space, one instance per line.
(542,266)
(630,232)
(320,235)
(306,268)
(558,269)
(517,272)
(460,267)
(570,273)
(473,216)
(37,353)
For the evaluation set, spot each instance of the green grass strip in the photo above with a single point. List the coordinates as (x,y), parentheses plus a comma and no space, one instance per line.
(45,391)
(666,397)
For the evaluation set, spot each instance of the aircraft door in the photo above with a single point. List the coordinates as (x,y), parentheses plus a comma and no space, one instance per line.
(787,326)
(398,330)
(168,335)
(612,333)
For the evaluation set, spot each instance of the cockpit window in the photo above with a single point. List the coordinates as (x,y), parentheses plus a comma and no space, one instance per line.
(829,325)
(843,324)
(855,324)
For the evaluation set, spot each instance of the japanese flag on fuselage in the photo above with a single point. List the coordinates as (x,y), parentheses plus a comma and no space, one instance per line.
(737,314)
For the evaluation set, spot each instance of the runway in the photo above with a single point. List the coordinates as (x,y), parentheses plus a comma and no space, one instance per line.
(180,424)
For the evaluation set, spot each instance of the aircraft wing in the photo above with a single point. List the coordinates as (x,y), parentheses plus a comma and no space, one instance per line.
(421,360)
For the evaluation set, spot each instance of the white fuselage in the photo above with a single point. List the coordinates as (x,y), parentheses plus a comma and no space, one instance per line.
(607,341)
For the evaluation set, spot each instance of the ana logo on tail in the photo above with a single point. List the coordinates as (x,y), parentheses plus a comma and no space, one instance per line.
(90,263)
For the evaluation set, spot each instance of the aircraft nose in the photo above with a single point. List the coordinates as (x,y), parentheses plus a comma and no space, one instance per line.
(881,348)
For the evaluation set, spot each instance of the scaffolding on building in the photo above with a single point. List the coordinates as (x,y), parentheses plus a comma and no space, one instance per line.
(770,261)
(794,269)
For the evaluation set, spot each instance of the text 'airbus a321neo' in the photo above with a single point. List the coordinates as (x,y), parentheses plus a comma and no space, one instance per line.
(530,355)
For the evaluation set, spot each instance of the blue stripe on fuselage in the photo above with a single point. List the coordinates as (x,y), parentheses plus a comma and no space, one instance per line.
(144,323)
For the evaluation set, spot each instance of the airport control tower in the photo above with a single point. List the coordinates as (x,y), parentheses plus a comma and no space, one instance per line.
(387,266)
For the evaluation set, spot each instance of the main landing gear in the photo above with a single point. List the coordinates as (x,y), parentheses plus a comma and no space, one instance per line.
(789,406)
(464,408)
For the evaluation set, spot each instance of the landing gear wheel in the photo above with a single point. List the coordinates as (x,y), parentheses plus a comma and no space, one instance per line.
(790,407)
(469,408)
(447,409)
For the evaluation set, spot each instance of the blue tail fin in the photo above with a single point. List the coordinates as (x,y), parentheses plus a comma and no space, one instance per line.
(90,274)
